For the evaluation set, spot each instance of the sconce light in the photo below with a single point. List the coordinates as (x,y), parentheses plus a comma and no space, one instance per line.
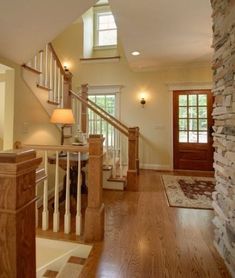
(142,102)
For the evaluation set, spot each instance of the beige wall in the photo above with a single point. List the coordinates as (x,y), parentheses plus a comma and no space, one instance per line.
(31,122)
(154,119)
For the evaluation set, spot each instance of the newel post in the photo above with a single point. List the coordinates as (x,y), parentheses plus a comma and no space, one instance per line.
(84,112)
(132,171)
(137,133)
(67,87)
(17,213)
(94,216)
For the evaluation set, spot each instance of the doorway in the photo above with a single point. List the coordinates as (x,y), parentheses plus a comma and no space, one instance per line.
(192,130)
(6,107)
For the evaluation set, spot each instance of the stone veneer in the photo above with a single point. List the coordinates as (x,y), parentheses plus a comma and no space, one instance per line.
(224,128)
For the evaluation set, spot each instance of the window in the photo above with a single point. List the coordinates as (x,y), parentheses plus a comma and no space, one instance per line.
(105,29)
(96,124)
(193,118)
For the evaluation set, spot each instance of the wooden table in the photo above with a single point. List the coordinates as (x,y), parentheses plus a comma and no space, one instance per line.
(73,158)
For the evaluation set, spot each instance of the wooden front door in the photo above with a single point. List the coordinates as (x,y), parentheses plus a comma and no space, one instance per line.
(192,124)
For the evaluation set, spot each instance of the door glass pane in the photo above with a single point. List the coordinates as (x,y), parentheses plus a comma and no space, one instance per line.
(183,100)
(192,124)
(183,138)
(202,124)
(202,112)
(202,100)
(183,124)
(192,111)
(192,136)
(192,100)
(182,112)
(203,137)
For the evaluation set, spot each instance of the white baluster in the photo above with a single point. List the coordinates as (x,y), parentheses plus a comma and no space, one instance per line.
(107,145)
(58,86)
(55,78)
(51,78)
(95,123)
(56,214)
(41,67)
(62,91)
(114,152)
(45,212)
(67,216)
(101,126)
(36,61)
(120,155)
(78,214)
(46,67)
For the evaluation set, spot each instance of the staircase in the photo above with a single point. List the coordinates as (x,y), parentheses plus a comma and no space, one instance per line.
(51,84)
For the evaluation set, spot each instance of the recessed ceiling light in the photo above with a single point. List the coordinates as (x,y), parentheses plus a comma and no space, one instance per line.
(135,53)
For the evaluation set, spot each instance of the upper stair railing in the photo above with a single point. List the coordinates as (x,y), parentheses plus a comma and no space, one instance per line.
(51,74)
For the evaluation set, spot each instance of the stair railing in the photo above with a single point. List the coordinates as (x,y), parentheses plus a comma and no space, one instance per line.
(120,133)
(51,74)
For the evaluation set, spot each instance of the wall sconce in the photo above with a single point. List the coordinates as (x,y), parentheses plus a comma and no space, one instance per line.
(142,102)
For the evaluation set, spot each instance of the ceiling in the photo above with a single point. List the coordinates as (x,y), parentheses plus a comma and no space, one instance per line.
(28,25)
(167,33)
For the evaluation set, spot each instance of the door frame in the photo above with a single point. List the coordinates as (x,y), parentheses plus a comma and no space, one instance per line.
(176,87)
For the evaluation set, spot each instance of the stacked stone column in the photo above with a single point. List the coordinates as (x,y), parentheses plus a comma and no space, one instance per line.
(224,128)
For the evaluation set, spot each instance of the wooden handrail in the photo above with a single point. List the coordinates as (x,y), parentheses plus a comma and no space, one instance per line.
(56,58)
(68,148)
(109,115)
(99,113)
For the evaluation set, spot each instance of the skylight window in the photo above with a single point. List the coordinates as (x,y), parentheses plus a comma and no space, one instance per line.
(106,29)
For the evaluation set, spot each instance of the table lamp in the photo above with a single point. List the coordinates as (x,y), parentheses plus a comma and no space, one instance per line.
(63,117)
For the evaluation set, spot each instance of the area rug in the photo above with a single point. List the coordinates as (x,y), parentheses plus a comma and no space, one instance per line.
(189,192)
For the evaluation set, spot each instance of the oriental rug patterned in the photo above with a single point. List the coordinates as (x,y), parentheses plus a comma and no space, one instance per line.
(189,192)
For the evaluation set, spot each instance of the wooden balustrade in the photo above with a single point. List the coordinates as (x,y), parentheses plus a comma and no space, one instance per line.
(52,76)
(17,217)
(113,145)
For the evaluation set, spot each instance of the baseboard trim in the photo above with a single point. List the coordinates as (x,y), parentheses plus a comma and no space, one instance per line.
(156,167)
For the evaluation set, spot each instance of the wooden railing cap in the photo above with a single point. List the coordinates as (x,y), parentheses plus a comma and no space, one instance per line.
(17,155)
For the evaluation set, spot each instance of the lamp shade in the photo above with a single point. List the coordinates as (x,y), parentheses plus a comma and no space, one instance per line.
(62,116)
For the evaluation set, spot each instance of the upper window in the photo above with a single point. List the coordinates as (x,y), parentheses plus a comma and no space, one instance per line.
(105,29)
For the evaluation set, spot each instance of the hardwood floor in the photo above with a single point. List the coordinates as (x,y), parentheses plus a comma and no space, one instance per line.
(144,237)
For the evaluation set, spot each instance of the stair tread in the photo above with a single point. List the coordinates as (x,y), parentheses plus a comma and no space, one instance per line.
(76,260)
(43,87)
(53,102)
(31,69)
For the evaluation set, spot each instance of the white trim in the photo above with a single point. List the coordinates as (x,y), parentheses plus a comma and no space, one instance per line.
(182,86)
(189,86)
(104,89)
(162,167)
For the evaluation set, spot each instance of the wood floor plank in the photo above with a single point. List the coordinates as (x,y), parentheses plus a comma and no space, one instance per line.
(144,237)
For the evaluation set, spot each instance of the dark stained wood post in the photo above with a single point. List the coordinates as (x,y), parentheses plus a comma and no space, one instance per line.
(132,172)
(17,213)
(94,216)
(67,87)
(137,133)
(84,114)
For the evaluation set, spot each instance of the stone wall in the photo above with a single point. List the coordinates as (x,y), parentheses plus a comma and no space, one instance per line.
(224,128)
